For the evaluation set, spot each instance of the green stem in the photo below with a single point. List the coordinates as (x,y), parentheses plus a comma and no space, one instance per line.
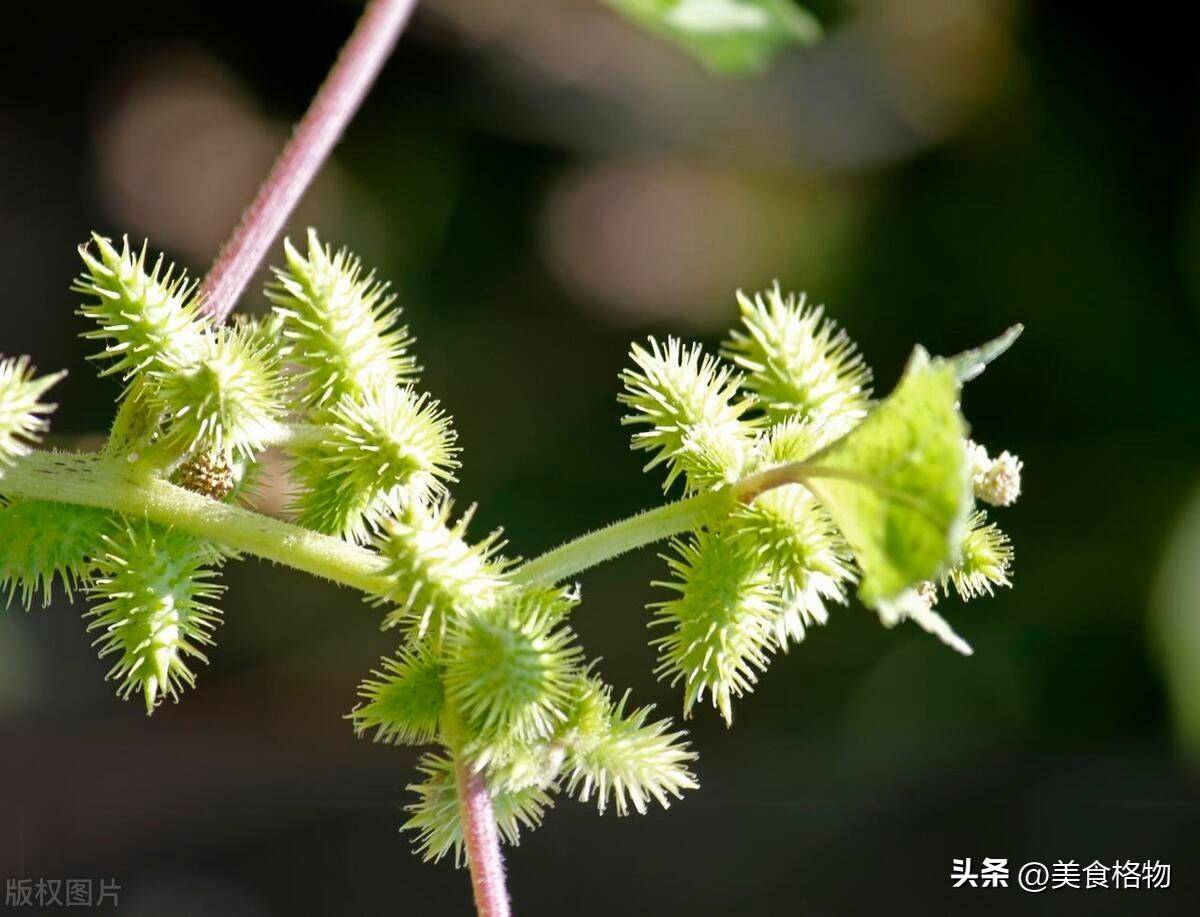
(296,435)
(752,486)
(136,419)
(616,539)
(107,483)
(112,483)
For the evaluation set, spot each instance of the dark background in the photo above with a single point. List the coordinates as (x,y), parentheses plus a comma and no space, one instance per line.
(543,184)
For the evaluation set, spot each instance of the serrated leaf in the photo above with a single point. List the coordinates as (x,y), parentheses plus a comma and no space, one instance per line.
(727,36)
(899,485)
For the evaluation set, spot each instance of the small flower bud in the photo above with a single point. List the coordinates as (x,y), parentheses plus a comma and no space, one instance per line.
(1001,484)
(978,461)
(986,559)
(209,474)
(996,481)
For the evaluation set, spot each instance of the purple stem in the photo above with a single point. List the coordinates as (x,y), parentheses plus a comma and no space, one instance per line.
(483,843)
(335,103)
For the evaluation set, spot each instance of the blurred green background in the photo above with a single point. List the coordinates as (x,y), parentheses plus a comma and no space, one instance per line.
(543,183)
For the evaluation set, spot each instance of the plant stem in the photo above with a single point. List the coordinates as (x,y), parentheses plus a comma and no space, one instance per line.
(615,539)
(296,435)
(335,103)
(619,537)
(482,840)
(107,483)
(750,487)
(481,836)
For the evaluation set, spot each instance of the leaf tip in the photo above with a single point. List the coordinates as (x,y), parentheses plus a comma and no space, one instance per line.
(970,363)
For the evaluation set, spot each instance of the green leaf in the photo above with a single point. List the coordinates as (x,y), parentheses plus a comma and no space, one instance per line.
(899,485)
(970,363)
(727,36)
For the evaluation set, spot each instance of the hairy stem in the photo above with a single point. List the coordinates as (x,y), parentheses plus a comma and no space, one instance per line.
(481,835)
(752,486)
(335,103)
(135,420)
(482,840)
(296,435)
(616,539)
(100,480)
(113,484)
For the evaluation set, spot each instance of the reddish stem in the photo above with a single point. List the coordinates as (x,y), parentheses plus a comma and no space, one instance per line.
(335,103)
(483,843)
(357,66)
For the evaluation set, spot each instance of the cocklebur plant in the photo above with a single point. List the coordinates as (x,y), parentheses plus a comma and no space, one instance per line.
(886,500)
(796,489)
